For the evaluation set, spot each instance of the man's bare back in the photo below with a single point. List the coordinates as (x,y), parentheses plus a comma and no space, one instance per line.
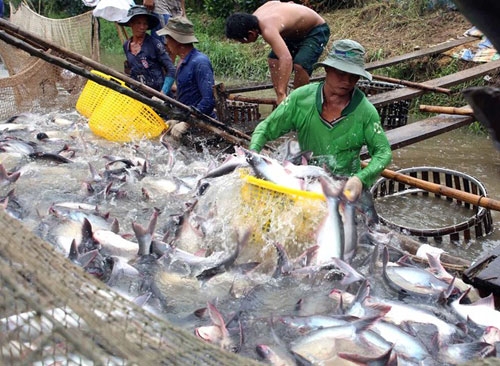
(292,21)
(297,36)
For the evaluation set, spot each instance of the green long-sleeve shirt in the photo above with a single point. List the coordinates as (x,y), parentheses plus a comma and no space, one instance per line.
(338,145)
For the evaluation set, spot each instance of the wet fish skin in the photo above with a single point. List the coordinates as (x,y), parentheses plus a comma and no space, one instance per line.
(7,178)
(321,345)
(411,279)
(396,312)
(271,170)
(405,345)
(460,353)
(216,333)
(144,235)
(273,356)
(226,262)
(229,165)
(481,312)
(330,235)
(350,230)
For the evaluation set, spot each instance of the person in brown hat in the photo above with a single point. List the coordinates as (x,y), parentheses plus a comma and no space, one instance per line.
(147,58)
(333,119)
(194,77)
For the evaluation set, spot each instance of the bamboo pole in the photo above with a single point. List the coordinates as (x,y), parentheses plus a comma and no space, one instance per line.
(457,194)
(412,84)
(241,98)
(112,85)
(463,111)
(23,39)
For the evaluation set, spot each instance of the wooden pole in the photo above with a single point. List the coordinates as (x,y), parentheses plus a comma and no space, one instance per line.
(412,84)
(122,32)
(45,55)
(457,194)
(241,98)
(31,39)
(464,111)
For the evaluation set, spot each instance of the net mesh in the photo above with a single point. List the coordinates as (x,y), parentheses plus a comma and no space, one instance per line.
(51,311)
(34,84)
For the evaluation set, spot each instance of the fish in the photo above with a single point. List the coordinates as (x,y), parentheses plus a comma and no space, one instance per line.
(397,313)
(119,268)
(275,356)
(7,178)
(270,169)
(410,279)
(406,346)
(481,312)
(460,353)
(304,324)
(330,235)
(491,335)
(350,229)
(229,165)
(226,262)
(216,333)
(145,235)
(325,346)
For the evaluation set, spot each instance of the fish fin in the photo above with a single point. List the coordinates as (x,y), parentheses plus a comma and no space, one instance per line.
(115,226)
(383,359)
(488,301)
(73,251)
(141,300)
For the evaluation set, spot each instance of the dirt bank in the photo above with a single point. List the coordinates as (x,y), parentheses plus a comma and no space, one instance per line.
(389,29)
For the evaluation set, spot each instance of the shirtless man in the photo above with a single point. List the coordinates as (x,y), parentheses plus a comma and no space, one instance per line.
(296,34)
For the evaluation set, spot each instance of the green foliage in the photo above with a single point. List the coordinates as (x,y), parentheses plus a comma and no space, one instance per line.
(57,9)
(229,59)
(219,8)
(224,8)
(108,37)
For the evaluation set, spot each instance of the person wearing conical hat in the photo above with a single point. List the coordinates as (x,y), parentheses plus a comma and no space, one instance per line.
(147,58)
(194,77)
(333,119)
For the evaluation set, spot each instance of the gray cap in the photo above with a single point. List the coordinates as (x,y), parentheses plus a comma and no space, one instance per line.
(348,56)
(153,20)
(179,28)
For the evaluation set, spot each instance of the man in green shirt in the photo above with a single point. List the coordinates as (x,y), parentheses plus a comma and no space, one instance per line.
(334,120)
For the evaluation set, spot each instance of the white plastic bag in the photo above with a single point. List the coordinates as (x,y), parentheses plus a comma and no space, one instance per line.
(113,10)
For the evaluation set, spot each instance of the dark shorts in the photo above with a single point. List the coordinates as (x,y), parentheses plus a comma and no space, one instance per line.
(307,51)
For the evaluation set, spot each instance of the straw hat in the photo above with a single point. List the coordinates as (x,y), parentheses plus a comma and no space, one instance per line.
(348,56)
(134,11)
(179,28)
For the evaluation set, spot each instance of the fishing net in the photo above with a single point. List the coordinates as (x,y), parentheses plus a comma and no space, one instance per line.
(33,83)
(52,312)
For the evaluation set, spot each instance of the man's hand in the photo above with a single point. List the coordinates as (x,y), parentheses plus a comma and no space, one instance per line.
(179,129)
(353,188)
(149,4)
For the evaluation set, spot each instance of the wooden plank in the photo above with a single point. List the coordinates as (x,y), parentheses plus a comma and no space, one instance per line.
(418,131)
(374,65)
(430,51)
(382,99)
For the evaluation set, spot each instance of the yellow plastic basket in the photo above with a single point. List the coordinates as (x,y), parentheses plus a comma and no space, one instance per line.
(121,118)
(93,94)
(280,214)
